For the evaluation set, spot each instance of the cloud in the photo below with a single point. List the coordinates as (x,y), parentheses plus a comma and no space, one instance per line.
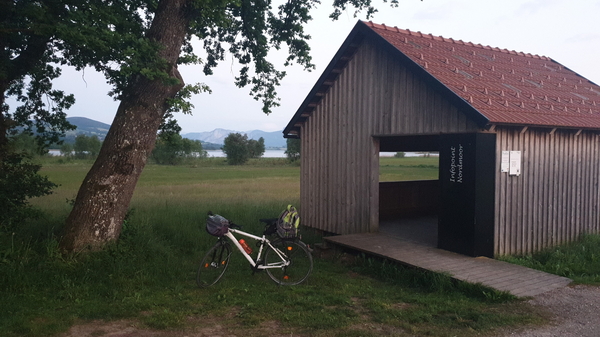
(583,37)
(435,13)
(270,127)
(533,7)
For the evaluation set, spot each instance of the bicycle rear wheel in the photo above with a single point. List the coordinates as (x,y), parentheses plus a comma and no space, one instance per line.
(299,258)
(213,264)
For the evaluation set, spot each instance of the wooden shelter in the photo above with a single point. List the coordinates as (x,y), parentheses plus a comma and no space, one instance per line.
(518,137)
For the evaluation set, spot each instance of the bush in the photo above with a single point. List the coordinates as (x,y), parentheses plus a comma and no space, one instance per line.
(172,149)
(19,181)
(87,146)
(293,149)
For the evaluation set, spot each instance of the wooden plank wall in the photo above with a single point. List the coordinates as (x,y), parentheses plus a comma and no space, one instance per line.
(408,198)
(555,199)
(373,95)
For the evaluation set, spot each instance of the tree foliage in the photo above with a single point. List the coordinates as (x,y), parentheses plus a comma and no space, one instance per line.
(172,149)
(138,45)
(86,146)
(66,150)
(26,143)
(36,37)
(256,148)
(19,181)
(236,149)
(293,149)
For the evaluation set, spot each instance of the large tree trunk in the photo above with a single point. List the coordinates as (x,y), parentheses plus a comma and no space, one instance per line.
(104,196)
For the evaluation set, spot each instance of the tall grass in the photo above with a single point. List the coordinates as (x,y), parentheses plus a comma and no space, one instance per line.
(579,261)
(148,276)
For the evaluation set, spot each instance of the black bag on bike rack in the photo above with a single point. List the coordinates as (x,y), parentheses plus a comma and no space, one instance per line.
(217,225)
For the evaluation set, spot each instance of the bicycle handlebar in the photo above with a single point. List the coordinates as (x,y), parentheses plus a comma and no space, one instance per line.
(234,226)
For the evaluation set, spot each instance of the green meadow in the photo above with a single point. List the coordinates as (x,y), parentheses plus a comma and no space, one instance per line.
(408,168)
(148,277)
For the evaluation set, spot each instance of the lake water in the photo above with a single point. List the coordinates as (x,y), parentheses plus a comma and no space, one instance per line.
(281,154)
(215,153)
(267,154)
(276,154)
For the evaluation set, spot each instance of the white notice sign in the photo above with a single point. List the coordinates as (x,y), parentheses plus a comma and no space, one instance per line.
(505,163)
(515,163)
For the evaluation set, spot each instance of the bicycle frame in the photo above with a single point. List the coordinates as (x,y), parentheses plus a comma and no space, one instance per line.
(264,241)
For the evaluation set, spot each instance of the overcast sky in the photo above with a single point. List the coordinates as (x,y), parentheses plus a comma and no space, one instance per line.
(566,31)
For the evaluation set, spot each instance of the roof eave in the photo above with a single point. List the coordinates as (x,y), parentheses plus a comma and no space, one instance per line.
(339,61)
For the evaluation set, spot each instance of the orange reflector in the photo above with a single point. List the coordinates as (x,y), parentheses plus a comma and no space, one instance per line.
(206,265)
(286,277)
(223,263)
(290,248)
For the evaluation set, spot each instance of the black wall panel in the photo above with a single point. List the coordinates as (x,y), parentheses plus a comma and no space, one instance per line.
(467,173)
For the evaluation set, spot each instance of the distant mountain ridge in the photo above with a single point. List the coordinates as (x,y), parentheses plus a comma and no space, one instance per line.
(217,136)
(90,127)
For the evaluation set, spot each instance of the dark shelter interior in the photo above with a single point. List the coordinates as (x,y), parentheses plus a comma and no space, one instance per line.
(409,209)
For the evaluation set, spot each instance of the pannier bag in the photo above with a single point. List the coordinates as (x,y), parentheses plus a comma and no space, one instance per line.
(217,225)
(288,222)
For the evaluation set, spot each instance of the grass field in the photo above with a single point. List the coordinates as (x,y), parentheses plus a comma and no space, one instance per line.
(148,277)
(409,168)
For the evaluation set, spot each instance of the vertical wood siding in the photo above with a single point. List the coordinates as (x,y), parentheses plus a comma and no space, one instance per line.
(374,95)
(555,199)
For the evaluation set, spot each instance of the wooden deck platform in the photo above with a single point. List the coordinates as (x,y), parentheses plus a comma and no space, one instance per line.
(517,280)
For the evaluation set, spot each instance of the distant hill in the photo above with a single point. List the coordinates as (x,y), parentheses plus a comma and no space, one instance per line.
(215,138)
(86,126)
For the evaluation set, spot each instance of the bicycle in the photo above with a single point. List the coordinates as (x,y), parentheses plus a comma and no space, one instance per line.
(286,261)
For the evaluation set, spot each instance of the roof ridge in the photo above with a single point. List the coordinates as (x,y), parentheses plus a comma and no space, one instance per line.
(460,42)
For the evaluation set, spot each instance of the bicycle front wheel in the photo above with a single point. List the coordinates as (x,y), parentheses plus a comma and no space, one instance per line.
(213,264)
(297,257)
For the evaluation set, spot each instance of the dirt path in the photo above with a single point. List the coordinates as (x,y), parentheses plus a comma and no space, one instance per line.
(575,312)
(206,328)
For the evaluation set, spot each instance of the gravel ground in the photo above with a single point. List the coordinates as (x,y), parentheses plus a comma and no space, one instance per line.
(575,311)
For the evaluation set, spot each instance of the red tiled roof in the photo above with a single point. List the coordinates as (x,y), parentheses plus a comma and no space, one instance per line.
(506,87)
